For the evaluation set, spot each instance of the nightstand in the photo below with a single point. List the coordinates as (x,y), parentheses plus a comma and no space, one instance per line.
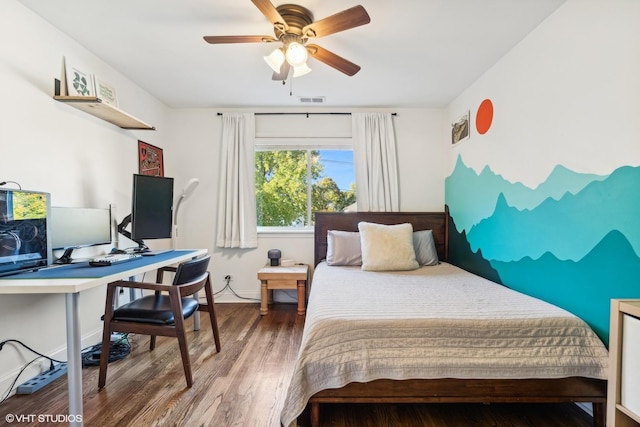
(277,277)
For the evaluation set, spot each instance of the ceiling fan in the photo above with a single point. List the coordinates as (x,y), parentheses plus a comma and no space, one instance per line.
(293,26)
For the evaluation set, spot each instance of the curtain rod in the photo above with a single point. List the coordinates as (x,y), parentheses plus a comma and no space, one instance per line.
(304,114)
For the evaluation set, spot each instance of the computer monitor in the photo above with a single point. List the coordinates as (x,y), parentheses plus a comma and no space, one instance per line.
(151,210)
(25,243)
(73,228)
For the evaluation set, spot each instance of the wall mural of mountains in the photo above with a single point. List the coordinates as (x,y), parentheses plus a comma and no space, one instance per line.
(573,241)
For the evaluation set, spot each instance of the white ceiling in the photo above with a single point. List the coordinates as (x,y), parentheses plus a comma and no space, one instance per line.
(414,53)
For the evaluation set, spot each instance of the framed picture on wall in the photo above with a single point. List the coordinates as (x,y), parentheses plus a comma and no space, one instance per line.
(460,129)
(150,159)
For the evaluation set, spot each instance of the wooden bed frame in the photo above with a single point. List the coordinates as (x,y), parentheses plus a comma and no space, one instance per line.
(573,389)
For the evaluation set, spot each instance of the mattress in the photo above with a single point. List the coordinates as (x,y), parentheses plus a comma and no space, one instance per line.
(434,322)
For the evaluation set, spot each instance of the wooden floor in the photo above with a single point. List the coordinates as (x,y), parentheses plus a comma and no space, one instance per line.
(245,385)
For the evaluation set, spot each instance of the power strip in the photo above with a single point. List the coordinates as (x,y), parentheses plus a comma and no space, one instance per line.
(41,380)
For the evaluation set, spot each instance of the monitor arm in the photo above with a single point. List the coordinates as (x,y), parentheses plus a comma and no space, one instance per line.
(121,229)
(66,257)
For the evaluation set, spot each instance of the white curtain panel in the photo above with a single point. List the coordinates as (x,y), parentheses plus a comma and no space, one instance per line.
(376,164)
(237,220)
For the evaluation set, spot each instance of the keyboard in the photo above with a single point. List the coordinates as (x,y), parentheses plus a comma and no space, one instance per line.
(111,259)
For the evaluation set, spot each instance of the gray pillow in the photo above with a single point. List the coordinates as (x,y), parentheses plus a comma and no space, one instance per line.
(425,247)
(343,248)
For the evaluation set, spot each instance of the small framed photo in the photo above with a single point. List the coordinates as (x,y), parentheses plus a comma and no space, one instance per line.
(105,92)
(79,83)
(150,159)
(460,129)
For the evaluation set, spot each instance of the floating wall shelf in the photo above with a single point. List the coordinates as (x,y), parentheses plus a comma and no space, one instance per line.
(96,107)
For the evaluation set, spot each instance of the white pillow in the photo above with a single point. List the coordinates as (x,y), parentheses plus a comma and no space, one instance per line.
(425,247)
(387,247)
(343,248)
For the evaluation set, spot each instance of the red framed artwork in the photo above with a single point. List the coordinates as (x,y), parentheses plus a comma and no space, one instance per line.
(150,159)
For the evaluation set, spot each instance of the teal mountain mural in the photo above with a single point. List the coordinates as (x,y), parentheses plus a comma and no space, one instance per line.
(610,270)
(570,227)
(460,254)
(472,197)
(573,241)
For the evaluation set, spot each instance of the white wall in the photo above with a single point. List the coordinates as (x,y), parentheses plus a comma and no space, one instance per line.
(84,161)
(568,94)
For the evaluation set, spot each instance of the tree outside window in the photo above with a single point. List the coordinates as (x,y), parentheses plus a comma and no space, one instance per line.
(292,184)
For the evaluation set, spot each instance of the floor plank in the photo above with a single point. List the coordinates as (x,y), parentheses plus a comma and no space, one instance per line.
(245,385)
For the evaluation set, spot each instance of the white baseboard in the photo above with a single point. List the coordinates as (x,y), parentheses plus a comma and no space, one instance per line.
(279,295)
(228,297)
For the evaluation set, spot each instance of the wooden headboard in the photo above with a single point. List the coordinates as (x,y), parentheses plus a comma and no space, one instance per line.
(348,221)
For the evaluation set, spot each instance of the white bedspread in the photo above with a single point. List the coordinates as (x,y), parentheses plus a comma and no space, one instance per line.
(434,322)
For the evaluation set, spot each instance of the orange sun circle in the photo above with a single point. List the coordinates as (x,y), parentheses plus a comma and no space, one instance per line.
(484,116)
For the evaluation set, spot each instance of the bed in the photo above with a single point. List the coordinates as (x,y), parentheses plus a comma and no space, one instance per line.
(433,334)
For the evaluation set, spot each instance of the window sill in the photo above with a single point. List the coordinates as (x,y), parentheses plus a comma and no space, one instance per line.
(285,231)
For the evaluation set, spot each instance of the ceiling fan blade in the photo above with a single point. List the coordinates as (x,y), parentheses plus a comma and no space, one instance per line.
(284,72)
(270,12)
(349,18)
(238,39)
(333,60)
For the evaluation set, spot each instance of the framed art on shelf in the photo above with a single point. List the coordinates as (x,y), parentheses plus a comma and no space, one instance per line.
(78,82)
(150,159)
(105,92)
(460,129)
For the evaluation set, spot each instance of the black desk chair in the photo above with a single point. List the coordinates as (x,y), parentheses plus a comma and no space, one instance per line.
(162,313)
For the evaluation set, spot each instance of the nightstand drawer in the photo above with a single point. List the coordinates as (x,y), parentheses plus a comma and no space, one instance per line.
(282,284)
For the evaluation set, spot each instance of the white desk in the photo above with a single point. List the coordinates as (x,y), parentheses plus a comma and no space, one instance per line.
(72,287)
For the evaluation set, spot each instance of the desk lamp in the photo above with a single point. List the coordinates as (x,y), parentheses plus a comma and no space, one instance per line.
(186,193)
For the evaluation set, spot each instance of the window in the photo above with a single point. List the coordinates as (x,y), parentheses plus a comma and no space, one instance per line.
(292,183)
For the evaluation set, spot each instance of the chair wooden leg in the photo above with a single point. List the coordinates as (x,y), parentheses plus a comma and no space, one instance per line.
(152,342)
(181,334)
(212,313)
(106,337)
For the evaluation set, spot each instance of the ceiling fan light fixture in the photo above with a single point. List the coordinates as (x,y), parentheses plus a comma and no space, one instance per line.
(293,26)
(275,60)
(296,54)
(301,70)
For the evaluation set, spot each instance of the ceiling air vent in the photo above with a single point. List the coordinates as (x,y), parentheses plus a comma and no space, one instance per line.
(312,100)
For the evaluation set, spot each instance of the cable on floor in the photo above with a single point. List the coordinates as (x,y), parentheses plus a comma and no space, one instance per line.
(228,286)
(117,350)
(15,380)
